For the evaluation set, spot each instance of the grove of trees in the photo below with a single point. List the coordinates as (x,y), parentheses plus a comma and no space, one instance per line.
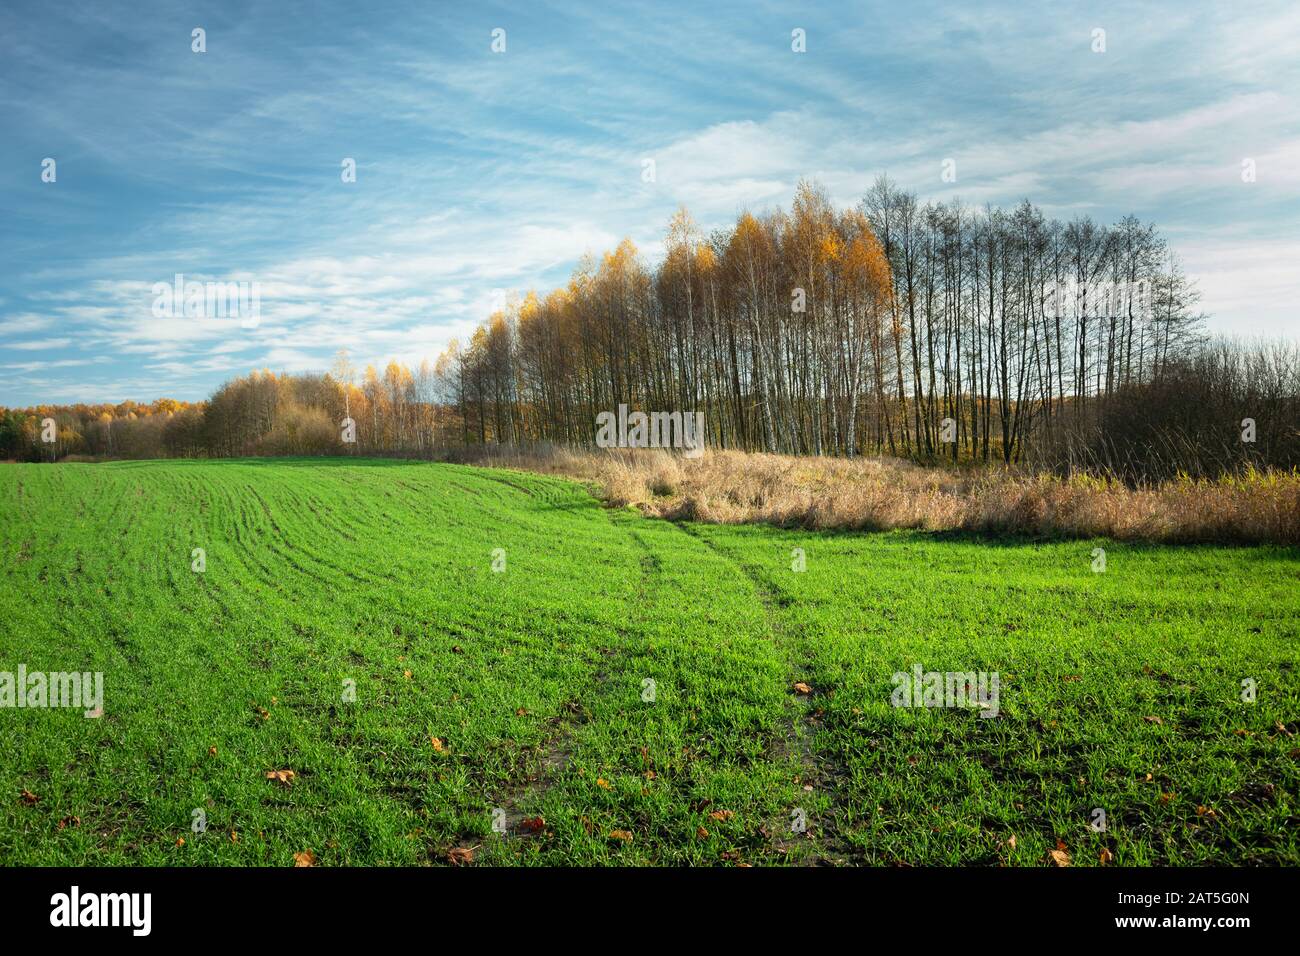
(931,331)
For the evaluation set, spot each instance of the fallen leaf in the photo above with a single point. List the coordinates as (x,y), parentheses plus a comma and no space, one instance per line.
(438,744)
(1011,841)
(284,776)
(69,822)
(1105,856)
(406,674)
(1060,856)
(721,815)
(1166,797)
(212,751)
(522,711)
(623,835)
(234,836)
(1243,732)
(305,858)
(532,824)
(1281,727)
(1153,720)
(180,841)
(460,856)
(602,783)
(649,774)
(802,688)
(29,798)
(702,833)
(1204,811)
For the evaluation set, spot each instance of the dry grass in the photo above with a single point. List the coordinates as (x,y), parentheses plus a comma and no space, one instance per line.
(727,487)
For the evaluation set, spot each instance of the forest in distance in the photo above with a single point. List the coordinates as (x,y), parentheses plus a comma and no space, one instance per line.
(1061,346)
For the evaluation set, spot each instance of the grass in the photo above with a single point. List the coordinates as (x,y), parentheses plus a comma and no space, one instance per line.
(1119,690)
(879,494)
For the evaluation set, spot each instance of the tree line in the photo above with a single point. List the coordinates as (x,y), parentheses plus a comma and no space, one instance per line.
(930,331)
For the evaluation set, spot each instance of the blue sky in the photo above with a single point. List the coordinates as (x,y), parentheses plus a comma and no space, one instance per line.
(479,171)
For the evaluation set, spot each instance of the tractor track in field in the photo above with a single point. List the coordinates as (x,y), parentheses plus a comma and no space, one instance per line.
(819,773)
(551,756)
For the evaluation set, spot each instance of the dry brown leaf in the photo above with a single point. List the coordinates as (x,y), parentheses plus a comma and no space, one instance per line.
(69,822)
(284,776)
(623,835)
(721,815)
(438,745)
(460,856)
(602,783)
(1060,856)
(212,751)
(305,858)
(1105,856)
(802,688)
(406,674)
(1011,841)
(1153,720)
(532,824)
(702,833)
(1166,797)
(30,798)
(521,712)
(180,841)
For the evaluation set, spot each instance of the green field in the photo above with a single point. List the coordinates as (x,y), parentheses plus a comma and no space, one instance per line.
(1119,690)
